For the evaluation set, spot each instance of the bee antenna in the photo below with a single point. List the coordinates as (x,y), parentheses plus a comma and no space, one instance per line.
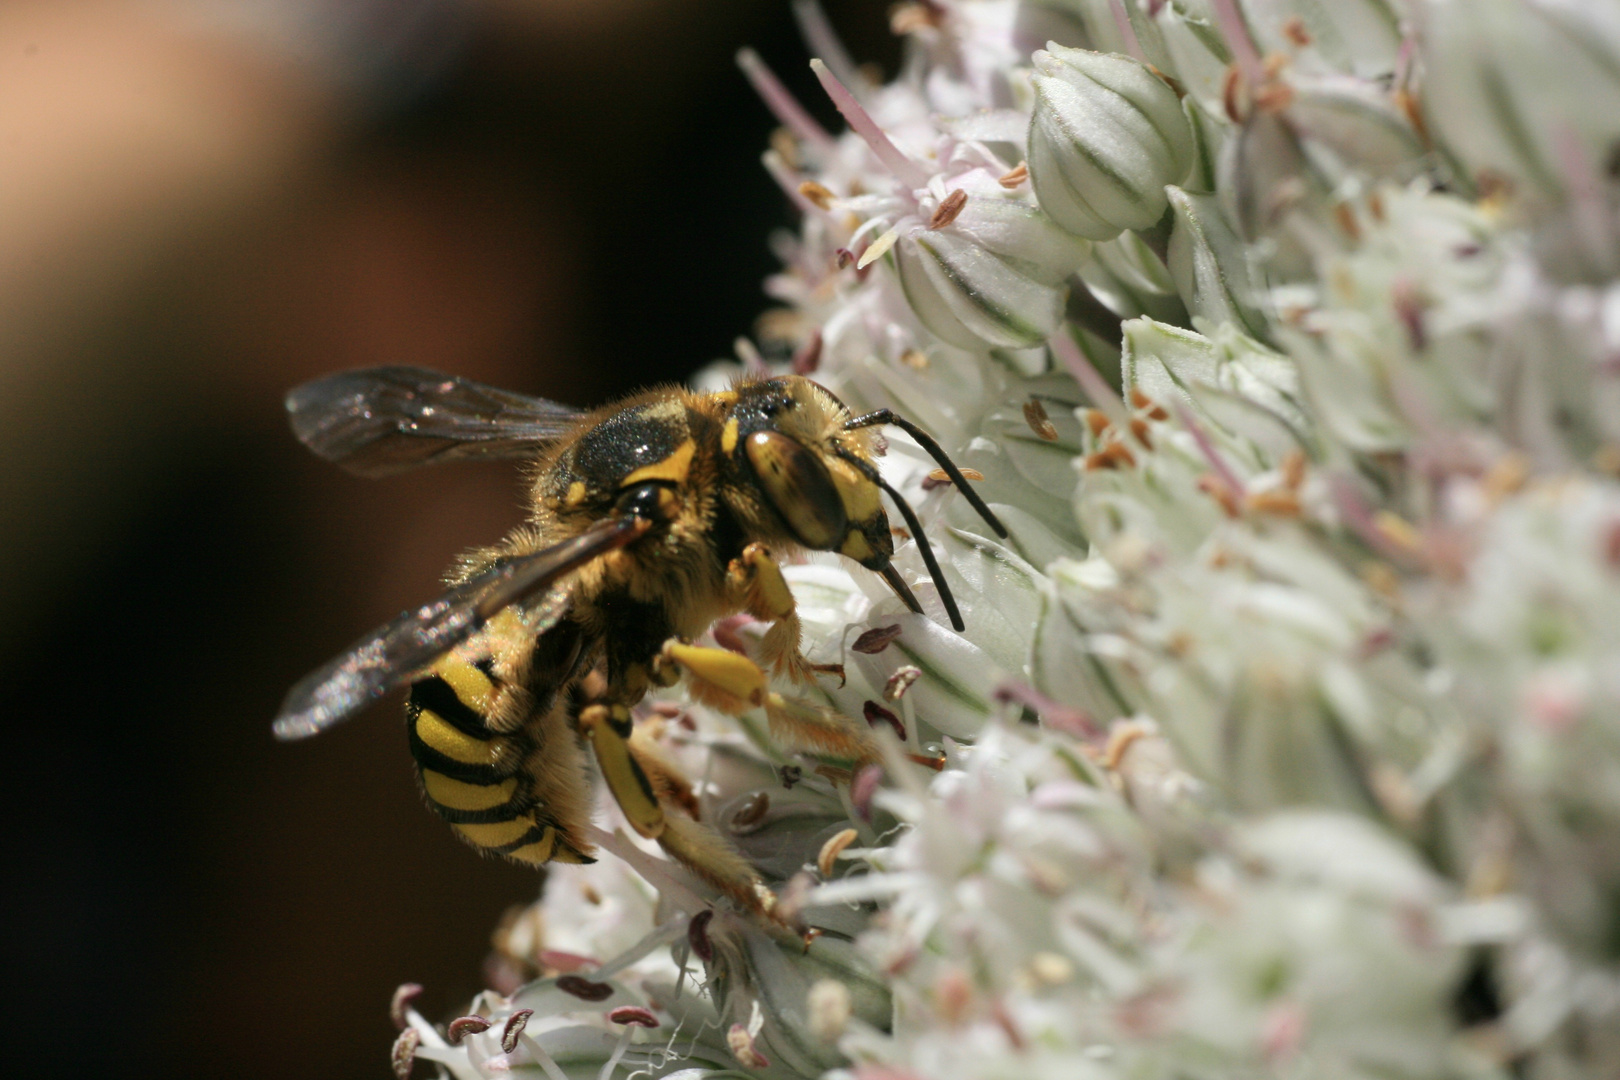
(935,451)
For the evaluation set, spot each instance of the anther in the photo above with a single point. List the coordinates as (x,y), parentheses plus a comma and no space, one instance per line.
(1041,424)
(515,1025)
(751,813)
(404,996)
(462,1026)
(900,682)
(948,209)
(834,847)
(817,193)
(876,640)
(697,935)
(403,1055)
(583,988)
(876,714)
(1014,176)
(633,1014)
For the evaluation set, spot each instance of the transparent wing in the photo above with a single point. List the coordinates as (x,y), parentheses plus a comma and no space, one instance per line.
(392,654)
(387,419)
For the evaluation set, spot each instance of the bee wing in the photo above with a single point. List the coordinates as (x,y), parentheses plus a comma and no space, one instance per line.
(392,654)
(384,420)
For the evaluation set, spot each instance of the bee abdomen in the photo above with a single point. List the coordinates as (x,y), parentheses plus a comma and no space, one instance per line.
(472,776)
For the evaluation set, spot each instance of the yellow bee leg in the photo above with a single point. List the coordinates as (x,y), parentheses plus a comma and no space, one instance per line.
(669,784)
(705,852)
(800,725)
(758,587)
(718,678)
(608,728)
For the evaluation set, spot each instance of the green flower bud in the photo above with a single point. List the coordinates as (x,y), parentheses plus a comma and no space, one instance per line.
(1107,135)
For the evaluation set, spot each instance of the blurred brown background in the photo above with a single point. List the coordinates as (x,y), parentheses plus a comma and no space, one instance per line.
(200,207)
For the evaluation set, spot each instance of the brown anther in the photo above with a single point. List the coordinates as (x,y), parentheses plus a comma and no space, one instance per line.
(403,997)
(1120,738)
(790,775)
(1222,493)
(463,1026)
(843,258)
(1117,452)
(514,1027)
(1098,460)
(1412,109)
(1141,432)
(583,988)
(1293,469)
(667,709)
(817,193)
(1041,424)
(590,894)
(752,811)
(1235,95)
(1345,218)
(1096,421)
(1375,206)
(948,208)
(697,935)
(900,682)
(741,1044)
(786,146)
(1169,80)
(940,476)
(875,640)
(900,532)
(404,1052)
(863,787)
(1410,304)
(1004,1020)
(1278,501)
(633,1015)
(935,762)
(1014,176)
(808,938)
(911,17)
(876,713)
(807,357)
(915,359)
(1274,97)
(1293,29)
(834,847)
(831,669)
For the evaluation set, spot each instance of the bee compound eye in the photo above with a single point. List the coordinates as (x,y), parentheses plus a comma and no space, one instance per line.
(655,502)
(800,488)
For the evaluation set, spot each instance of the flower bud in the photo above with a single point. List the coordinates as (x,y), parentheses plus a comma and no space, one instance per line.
(991,277)
(1107,135)
(1355,37)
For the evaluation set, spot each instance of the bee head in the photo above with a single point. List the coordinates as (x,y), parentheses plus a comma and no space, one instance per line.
(790,434)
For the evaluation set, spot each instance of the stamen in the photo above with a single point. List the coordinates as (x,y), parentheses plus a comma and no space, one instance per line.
(876,640)
(407,993)
(697,934)
(403,1055)
(876,713)
(1041,424)
(823,41)
(783,105)
(583,988)
(861,123)
(514,1028)
(948,209)
(462,1026)
(863,787)
(833,848)
(900,682)
(633,1015)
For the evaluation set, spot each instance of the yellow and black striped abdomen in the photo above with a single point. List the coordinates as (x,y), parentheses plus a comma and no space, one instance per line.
(474,777)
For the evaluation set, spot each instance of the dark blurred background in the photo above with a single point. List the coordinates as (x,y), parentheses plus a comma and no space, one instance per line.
(200,207)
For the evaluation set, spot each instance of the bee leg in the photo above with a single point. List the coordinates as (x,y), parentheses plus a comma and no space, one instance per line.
(641,779)
(759,588)
(669,784)
(608,729)
(734,684)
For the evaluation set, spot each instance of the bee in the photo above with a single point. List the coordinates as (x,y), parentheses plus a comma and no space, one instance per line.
(649,520)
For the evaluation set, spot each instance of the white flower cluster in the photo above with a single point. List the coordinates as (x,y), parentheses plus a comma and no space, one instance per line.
(1284,738)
